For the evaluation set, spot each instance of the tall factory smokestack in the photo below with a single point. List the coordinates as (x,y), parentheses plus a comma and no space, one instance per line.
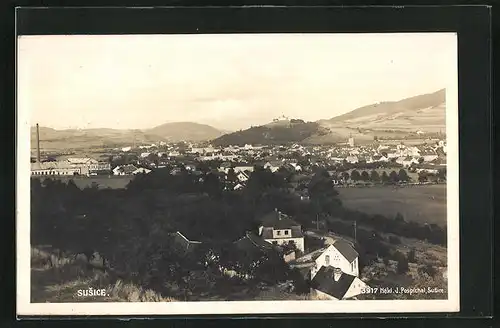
(37,144)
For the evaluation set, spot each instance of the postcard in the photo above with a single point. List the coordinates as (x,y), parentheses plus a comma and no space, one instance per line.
(238,174)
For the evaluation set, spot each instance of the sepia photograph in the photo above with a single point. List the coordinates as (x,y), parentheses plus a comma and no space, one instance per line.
(237,173)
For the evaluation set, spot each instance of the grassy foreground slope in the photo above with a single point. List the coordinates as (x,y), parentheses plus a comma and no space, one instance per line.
(57,279)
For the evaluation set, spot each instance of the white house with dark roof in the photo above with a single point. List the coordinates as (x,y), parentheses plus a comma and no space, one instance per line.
(339,254)
(278,229)
(330,283)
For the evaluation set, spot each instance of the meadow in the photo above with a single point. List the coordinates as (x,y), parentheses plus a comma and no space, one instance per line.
(422,204)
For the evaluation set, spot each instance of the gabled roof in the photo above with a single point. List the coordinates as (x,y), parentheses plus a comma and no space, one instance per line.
(84,160)
(346,250)
(324,282)
(310,257)
(51,165)
(278,220)
(128,168)
(183,242)
(252,243)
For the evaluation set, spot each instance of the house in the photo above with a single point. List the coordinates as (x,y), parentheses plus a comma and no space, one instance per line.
(190,167)
(352,159)
(430,157)
(176,171)
(225,166)
(251,244)
(239,186)
(242,168)
(392,154)
(296,167)
(100,166)
(81,161)
(124,170)
(407,161)
(278,229)
(54,168)
(339,254)
(331,283)
(141,170)
(250,247)
(273,166)
(242,176)
(379,158)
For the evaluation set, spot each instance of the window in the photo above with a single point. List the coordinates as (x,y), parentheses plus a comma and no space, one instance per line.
(352,266)
(278,232)
(327,259)
(286,232)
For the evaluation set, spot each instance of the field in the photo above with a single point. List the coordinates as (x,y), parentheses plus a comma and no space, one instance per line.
(423,204)
(103,182)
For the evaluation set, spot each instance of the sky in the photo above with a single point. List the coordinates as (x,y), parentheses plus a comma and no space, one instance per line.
(229,81)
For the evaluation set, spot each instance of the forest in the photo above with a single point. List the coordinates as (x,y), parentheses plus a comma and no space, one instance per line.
(130,228)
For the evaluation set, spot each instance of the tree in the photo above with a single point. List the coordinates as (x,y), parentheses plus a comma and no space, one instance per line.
(345,176)
(442,174)
(403,176)
(428,270)
(403,265)
(399,217)
(212,185)
(355,176)
(384,178)
(422,177)
(412,256)
(393,177)
(322,193)
(365,176)
(374,176)
(231,176)
(203,167)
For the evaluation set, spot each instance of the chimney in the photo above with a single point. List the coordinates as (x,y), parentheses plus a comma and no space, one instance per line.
(337,272)
(37,144)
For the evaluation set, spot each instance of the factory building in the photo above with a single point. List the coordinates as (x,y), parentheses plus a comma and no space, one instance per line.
(70,166)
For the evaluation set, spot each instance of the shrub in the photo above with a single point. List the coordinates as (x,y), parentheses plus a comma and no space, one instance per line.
(428,269)
(402,265)
(412,256)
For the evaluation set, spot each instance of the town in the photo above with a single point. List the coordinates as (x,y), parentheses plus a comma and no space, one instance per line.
(299,239)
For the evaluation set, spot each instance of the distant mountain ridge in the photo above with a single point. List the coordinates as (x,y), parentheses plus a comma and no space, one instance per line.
(281,132)
(424,113)
(179,131)
(410,105)
(105,137)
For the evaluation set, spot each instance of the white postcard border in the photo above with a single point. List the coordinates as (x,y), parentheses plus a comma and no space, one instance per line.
(452,304)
